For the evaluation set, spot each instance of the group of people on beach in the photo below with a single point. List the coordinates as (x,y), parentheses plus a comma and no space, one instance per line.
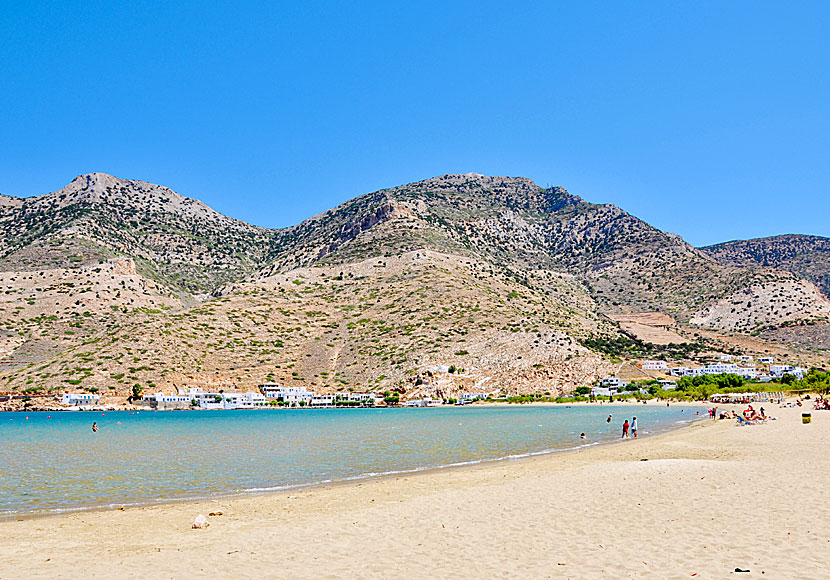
(628,429)
(821,404)
(750,414)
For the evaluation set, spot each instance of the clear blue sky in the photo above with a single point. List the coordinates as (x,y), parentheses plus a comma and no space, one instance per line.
(706,119)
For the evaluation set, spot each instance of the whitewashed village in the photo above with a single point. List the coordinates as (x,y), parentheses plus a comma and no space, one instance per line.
(268,395)
(762,370)
(276,395)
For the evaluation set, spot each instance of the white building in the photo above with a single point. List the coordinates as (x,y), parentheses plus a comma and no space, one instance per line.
(292,395)
(720,369)
(322,401)
(781,370)
(79,399)
(655,365)
(766,360)
(364,398)
(667,385)
(725,357)
(465,398)
(423,403)
(232,400)
(613,383)
(745,358)
(160,400)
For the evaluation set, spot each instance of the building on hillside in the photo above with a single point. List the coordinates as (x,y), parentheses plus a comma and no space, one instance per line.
(745,358)
(725,357)
(603,392)
(613,383)
(655,365)
(80,399)
(720,369)
(766,360)
(667,384)
(779,371)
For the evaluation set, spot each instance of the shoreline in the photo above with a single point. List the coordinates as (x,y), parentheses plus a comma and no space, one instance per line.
(697,501)
(363,478)
(323,408)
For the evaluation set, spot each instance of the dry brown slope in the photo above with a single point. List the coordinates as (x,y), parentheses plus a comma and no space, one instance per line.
(375,324)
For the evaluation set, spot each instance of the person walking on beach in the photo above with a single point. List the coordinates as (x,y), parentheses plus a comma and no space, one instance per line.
(634,427)
(625,430)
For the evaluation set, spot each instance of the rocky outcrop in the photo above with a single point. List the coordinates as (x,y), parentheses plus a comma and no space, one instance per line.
(806,256)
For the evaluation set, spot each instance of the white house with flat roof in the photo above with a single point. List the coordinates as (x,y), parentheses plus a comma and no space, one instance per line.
(423,403)
(80,399)
(655,365)
(323,400)
(465,398)
(613,383)
(291,395)
(766,360)
(232,400)
(603,391)
(720,369)
(781,370)
(161,401)
(364,398)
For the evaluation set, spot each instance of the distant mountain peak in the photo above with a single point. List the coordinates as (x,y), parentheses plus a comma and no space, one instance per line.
(102,187)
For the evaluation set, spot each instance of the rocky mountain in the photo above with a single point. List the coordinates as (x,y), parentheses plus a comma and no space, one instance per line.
(805,256)
(179,242)
(110,285)
(626,264)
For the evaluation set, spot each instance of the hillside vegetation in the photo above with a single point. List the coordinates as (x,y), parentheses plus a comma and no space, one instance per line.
(806,256)
(118,286)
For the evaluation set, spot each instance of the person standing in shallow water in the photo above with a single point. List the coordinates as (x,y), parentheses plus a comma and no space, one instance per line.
(625,429)
(608,420)
(634,427)
(94,427)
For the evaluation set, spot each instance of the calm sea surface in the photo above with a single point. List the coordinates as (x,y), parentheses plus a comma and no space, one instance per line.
(53,461)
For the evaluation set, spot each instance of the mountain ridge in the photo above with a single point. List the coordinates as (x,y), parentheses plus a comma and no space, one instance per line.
(807,256)
(109,284)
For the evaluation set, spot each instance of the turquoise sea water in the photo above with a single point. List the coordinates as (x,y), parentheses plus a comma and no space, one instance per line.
(53,461)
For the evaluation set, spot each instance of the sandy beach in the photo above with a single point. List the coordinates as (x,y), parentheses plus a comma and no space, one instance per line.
(710,498)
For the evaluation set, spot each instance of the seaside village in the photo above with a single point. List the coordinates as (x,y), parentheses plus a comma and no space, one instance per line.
(277,395)
(744,366)
(268,395)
